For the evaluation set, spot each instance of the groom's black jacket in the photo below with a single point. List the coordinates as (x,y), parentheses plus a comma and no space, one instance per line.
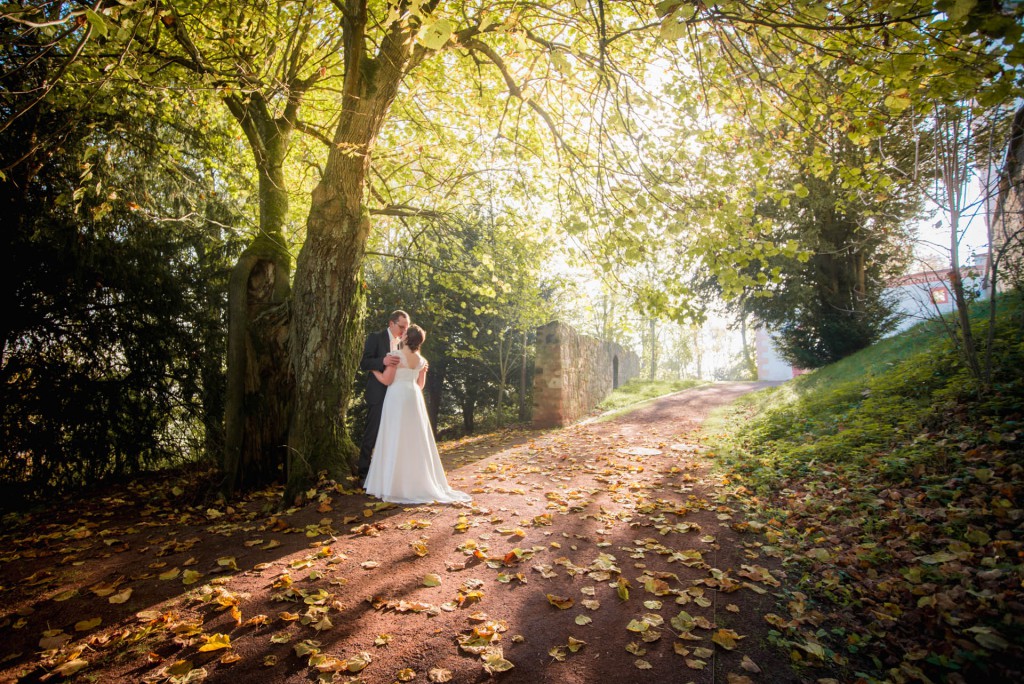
(377,346)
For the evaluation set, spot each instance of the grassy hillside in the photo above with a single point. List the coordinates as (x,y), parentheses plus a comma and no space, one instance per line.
(892,485)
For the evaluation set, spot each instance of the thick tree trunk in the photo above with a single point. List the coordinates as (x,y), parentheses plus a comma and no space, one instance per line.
(259,386)
(327,310)
(328,300)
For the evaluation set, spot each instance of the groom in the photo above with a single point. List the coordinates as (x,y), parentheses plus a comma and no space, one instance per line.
(375,357)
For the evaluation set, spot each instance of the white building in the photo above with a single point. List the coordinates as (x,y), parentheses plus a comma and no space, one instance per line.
(919,297)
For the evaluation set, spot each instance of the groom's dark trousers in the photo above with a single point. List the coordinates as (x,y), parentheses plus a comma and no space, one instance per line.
(377,346)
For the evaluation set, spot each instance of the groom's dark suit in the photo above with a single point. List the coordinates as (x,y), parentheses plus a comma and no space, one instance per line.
(377,346)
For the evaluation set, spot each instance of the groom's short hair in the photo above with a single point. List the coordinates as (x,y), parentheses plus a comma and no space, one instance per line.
(395,315)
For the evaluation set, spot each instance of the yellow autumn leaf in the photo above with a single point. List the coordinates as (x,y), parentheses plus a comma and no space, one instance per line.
(169,574)
(432,580)
(229,658)
(65,595)
(642,665)
(215,642)
(70,667)
(494,661)
(562,602)
(638,626)
(326,663)
(576,644)
(406,674)
(726,638)
(190,577)
(227,562)
(121,596)
(86,625)
(180,667)
(358,662)
(583,620)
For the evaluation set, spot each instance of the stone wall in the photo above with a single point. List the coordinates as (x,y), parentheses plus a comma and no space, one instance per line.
(574,372)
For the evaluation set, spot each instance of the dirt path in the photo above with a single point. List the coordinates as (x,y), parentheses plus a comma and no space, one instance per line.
(603,552)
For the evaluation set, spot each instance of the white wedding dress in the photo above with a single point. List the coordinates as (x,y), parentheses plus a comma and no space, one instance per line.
(406,467)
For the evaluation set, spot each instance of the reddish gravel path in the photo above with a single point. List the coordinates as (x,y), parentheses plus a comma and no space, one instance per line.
(615,534)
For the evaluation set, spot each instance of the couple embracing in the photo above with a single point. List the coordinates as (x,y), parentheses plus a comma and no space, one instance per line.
(398,459)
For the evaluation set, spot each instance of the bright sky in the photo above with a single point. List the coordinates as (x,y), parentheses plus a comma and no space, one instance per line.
(934,234)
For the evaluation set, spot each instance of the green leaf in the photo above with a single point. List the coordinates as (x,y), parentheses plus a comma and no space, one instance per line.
(99,25)
(435,35)
(961,8)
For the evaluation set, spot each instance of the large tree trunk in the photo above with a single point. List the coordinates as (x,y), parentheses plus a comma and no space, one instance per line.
(328,300)
(259,384)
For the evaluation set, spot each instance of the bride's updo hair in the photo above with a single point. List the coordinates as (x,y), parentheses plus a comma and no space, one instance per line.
(414,336)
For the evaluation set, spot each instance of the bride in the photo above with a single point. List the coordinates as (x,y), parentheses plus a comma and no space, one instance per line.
(406,467)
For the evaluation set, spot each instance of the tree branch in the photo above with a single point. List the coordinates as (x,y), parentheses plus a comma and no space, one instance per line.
(514,89)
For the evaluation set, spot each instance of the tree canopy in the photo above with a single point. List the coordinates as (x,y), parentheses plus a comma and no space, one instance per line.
(774,154)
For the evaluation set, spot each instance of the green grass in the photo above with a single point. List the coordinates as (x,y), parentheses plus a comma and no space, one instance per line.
(638,391)
(896,449)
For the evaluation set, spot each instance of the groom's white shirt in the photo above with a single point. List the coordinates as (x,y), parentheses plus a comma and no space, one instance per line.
(392,340)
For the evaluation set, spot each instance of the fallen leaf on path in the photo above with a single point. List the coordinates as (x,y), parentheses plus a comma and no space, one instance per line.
(215,642)
(562,602)
(726,638)
(86,625)
(70,667)
(121,596)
